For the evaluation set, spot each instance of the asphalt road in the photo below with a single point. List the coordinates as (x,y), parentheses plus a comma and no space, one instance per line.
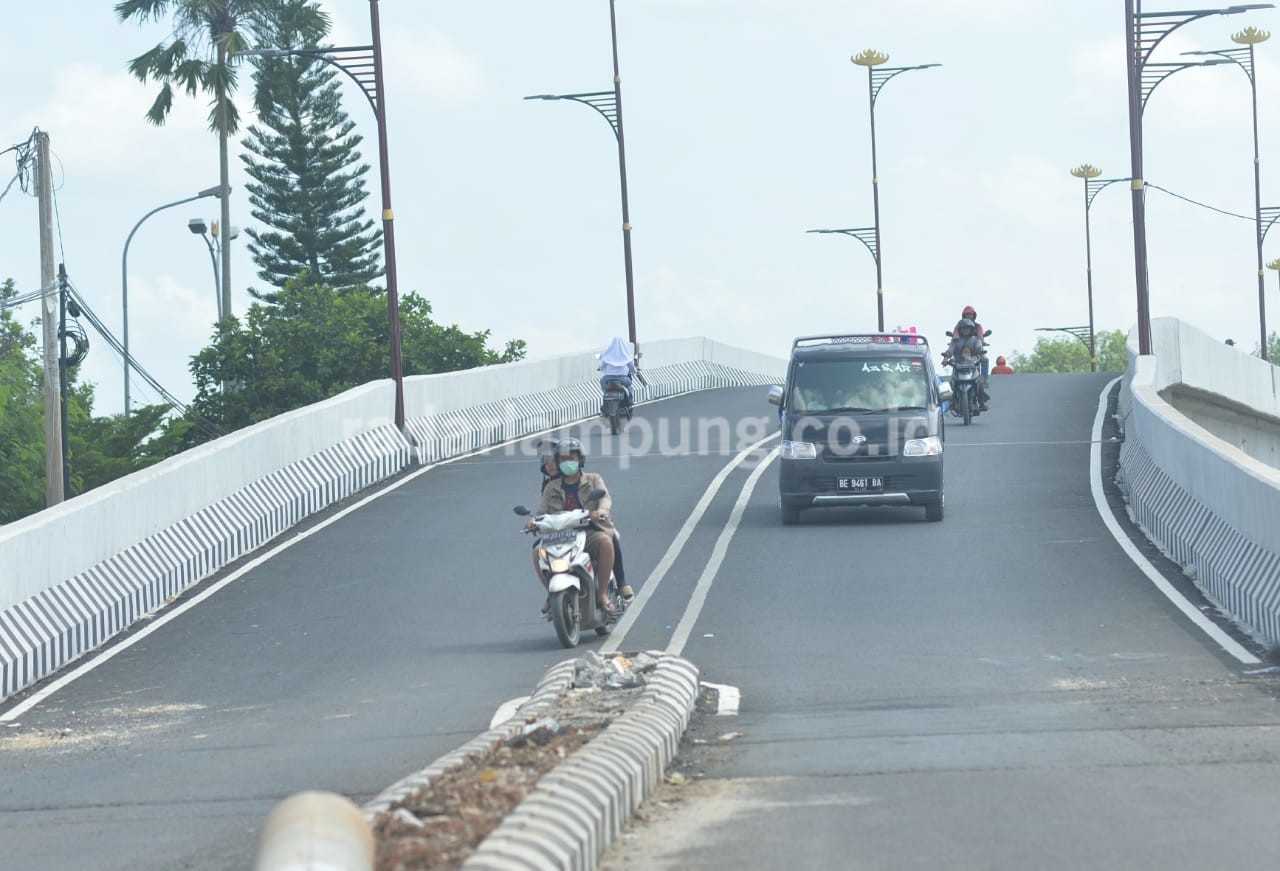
(907,706)
(903,706)
(343,663)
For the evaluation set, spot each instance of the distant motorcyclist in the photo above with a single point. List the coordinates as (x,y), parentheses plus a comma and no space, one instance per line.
(965,339)
(618,364)
(568,493)
(970,313)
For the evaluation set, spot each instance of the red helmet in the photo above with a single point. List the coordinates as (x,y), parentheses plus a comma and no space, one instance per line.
(969,311)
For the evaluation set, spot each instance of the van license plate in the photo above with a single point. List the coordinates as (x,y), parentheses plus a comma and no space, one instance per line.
(860,485)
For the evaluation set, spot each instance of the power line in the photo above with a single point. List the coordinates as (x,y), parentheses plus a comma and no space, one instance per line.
(1200,204)
(200,422)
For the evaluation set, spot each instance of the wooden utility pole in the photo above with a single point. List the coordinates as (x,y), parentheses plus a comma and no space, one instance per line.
(49,323)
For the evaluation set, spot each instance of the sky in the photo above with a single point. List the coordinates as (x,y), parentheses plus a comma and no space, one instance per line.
(746,125)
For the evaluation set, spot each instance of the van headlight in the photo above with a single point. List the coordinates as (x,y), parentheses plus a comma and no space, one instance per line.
(926,447)
(797,450)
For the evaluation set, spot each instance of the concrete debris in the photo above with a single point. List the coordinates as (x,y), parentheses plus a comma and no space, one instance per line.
(619,671)
(406,817)
(548,723)
(729,736)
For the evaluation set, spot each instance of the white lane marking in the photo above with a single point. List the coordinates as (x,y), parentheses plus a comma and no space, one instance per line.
(681,636)
(728,699)
(167,615)
(506,711)
(651,583)
(1193,613)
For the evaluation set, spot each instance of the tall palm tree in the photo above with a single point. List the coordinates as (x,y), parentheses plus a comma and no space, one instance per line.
(198,57)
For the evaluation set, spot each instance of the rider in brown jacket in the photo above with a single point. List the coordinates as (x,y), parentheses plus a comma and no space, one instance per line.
(569,492)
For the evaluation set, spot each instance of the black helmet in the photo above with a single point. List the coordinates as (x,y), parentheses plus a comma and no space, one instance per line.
(564,447)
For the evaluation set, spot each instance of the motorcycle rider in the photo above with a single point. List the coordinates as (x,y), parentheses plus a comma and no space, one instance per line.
(617,364)
(966,338)
(971,313)
(567,493)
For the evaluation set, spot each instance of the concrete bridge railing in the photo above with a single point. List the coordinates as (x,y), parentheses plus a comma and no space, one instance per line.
(74,575)
(1205,494)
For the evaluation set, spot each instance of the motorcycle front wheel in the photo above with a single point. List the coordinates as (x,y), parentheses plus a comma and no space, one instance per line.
(965,410)
(566,617)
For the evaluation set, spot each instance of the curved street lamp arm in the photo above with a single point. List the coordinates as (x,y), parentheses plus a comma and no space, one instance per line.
(880,76)
(357,61)
(604,102)
(865,235)
(1096,186)
(1165,23)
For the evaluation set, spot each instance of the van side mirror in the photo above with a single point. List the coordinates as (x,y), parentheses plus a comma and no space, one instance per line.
(775,395)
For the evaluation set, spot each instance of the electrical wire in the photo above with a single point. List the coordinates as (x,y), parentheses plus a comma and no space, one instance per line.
(1200,204)
(202,423)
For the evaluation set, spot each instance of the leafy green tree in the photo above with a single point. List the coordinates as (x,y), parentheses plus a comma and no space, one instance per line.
(315,342)
(1072,355)
(308,182)
(21,418)
(198,58)
(100,449)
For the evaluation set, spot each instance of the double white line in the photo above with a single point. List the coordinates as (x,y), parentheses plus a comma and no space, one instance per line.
(681,635)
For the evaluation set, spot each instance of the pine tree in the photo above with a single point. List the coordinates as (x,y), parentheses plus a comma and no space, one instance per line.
(308,181)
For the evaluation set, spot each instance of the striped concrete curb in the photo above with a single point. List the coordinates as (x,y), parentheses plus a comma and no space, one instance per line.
(40,635)
(554,684)
(1237,574)
(445,435)
(578,809)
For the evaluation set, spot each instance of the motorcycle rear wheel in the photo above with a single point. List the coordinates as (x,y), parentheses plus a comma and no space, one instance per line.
(566,617)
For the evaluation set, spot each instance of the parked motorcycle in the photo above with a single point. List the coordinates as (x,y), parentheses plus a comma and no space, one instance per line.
(569,573)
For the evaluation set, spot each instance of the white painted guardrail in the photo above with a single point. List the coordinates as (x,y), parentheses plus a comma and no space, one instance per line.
(1209,505)
(74,575)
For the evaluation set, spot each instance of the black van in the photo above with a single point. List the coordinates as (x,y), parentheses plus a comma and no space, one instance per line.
(862,424)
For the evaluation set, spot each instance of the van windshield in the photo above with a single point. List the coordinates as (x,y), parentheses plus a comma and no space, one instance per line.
(863,384)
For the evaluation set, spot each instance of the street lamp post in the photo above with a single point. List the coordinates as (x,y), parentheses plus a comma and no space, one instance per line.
(1144,31)
(363,64)
(201,229)
(609,105)
(1092,187)
(217,191)
(1245,59)
(877,76)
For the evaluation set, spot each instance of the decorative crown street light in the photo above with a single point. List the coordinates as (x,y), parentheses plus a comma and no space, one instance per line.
(1144,31)
(609,105)
(363,64)
(877,76)
(1092,187)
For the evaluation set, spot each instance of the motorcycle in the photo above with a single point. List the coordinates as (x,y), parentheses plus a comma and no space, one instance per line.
(615,407)
(569,574)
(966,381)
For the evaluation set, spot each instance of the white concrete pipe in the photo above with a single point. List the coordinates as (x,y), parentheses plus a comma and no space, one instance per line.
(315,831)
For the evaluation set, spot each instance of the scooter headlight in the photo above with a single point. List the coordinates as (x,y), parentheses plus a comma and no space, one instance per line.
(559,565)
